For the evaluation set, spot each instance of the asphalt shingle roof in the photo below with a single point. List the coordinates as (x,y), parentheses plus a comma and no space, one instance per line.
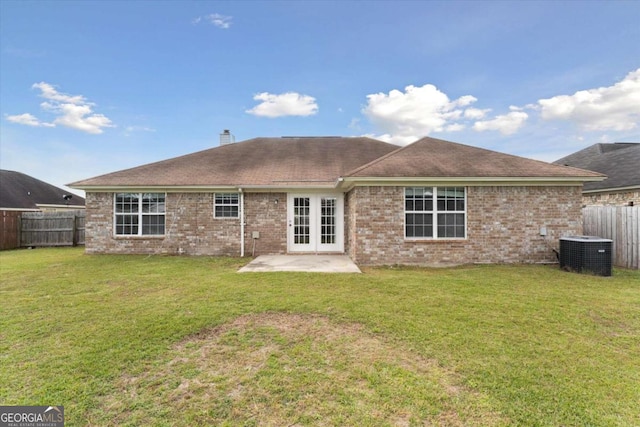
(619,161)
(430,157)
(20,191)
(259,161)
(313,161)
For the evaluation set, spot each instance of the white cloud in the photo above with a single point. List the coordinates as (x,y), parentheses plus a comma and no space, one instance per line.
(28,120)
(416,112)
(354,124)
(220,21)
(131,129)
(286,104)
(455,127)
(73,111)
(402,117)
(475,113)
(614,107)
(78,117)
(465,100)
(50,92)
(506,124)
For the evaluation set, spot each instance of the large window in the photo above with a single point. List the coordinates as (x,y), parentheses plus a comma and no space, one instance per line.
(226,205)
(139,214)
(435,212)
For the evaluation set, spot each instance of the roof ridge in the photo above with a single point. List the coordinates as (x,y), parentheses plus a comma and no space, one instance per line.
(533,162)
(379,159)
(524,158)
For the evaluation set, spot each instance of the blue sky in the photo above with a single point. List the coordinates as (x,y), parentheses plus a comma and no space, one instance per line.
(88,88)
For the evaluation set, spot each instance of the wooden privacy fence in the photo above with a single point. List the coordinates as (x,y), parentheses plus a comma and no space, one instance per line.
(63,228)
(620,224)
(10,229)
(38,229)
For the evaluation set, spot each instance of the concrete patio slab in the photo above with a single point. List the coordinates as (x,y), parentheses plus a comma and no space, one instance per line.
(301,263)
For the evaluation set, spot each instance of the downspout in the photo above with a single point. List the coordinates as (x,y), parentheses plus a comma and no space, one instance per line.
(241,222)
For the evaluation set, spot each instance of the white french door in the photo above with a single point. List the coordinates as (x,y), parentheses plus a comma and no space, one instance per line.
(315,222)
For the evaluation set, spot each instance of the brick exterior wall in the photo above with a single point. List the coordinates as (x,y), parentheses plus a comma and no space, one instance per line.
(269,218)
(191,228)
(612,199)
(503,226)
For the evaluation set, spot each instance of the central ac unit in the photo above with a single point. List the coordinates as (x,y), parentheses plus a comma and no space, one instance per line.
(586,254)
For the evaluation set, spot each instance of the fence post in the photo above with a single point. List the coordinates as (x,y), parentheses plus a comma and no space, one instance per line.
(74,230)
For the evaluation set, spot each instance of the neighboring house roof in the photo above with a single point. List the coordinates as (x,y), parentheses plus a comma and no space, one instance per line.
(20,191)
(323,161)
(619,161)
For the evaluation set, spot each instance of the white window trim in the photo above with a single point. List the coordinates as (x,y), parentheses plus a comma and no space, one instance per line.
(233,204)
(140,214)
(435,212)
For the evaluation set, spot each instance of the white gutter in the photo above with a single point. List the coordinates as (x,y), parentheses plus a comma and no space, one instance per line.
(60,206)
(157,188)
(241,222)
(349,182)
(499,179)
(613,189)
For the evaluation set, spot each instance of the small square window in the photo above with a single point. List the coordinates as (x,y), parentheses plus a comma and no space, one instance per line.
(226,205)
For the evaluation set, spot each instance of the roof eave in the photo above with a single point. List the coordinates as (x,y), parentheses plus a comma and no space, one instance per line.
(19,209)
(201,188)
(152,188)
(59,206)
(349,182)
(613,189)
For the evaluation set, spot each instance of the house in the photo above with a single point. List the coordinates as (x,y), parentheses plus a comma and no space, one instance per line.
(620,162)
(431,202)
(20,192)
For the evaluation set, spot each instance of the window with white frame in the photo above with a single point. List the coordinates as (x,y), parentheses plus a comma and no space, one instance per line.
(435,212)
(139,214)
(226,205)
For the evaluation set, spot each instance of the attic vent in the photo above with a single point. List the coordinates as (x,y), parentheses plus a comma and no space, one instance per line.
(226,137)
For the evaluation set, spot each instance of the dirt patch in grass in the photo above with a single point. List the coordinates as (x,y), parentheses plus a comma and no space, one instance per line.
(279,369)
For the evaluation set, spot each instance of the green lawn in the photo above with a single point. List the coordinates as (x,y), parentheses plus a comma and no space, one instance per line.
(135,340)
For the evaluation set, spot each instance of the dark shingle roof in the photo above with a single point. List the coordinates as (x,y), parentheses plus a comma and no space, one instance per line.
(20,191)
(619,161)
(320,161)
(430,157)
(259,161)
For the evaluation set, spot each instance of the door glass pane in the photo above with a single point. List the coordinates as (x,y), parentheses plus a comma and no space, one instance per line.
(328,220)
(301,230)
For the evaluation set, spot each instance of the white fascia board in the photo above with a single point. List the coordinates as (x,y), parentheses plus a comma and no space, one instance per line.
(158,189)
(59,206)
(286,188)
(468,181)
(20,209)
(202,188)
(613,190)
